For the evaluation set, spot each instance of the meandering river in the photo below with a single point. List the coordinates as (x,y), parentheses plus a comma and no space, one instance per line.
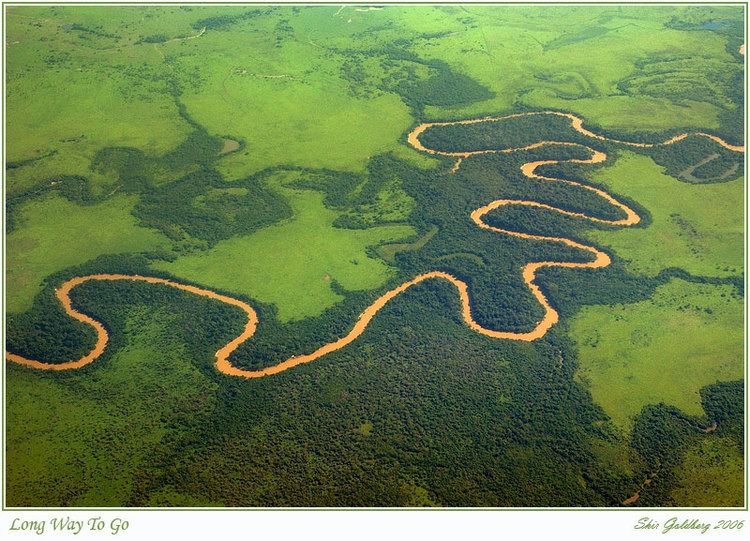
(528,271)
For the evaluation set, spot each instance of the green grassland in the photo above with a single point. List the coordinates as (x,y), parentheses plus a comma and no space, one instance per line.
(579,60)
(112,95)
(698,228)
(662,350)
(294,263)
(56,234)
(289,104)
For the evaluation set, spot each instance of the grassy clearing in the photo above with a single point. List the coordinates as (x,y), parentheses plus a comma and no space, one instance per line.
(81,440)
(581,60)
(292,264)
(711,475)
(305,118)
(658,350)
(57,234)
(112,95)
(695,227)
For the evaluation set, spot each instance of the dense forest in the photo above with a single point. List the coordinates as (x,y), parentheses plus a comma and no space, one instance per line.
(417,81)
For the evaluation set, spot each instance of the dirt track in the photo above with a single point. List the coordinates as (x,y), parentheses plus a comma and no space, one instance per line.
(600,259)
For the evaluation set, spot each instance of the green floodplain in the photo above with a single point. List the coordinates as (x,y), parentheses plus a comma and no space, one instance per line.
(262,152)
